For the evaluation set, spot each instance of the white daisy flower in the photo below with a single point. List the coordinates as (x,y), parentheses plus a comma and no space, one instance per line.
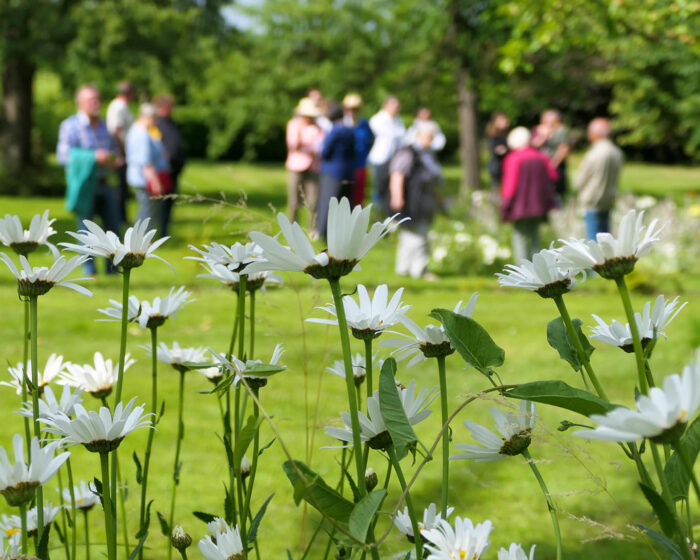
(612,257)
(216,526)
(138,244)
(465,541)
(54,367)
(543,275)
(114,312)
(85,497)
(234,257)
(19,479)
(97,379)
(430,342)
(213,373)
(100,431)
(10,548)
(371,316)
(431,520)
(176,356)
(38,280)
(661,416)
(24,241)
(373,429)
(359,368)
(228,545)
(50,513)
(515,436)
(516,552)
(154,314)
(247,369)
(348,241)
(12,525)
(48,404)
(650,324)
(254,281)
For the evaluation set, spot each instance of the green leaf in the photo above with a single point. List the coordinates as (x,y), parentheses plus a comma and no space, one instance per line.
(363,513)
(245,436)
(43,546)
(314,490)
(253,531)
(559,394)
(559,338)
(663,513)
(671,547)
(263,370)
(471,340)
(164,526)
(138,467)
(678,478)
(202,515)
(393,413)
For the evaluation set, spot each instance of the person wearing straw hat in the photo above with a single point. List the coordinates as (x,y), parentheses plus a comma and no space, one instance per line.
(364,138)
(304,138)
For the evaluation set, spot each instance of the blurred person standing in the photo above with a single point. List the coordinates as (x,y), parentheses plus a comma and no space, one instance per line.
(364,138)
(497,133)
(147,165)
(322,119)
(304,139)
(414,192)
(172,141)
(526,193)
(89,153)
(423,115)
(388,130)
(119,120)
(337,165)
(596,179)
(553,140)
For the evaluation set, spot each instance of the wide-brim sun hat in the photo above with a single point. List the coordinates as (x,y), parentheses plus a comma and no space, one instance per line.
(307,108)
(352,101)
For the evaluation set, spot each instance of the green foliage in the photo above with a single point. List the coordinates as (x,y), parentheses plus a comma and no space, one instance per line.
(559,338)
(678,479)
(394,416)
(559,394)
(363,513)
(663,513)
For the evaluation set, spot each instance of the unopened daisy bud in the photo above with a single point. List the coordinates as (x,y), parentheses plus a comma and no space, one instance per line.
(179,539)
(371,479)
(245,467)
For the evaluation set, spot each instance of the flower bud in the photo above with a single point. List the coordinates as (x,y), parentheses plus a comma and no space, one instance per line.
(179,539)
(371,479)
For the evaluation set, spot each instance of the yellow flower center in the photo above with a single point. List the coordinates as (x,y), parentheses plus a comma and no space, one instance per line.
(11,531)
(683,415)
(79,501)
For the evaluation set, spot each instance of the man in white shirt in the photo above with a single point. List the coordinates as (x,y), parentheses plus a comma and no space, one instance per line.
(424,116)
(119,120)
(388,130)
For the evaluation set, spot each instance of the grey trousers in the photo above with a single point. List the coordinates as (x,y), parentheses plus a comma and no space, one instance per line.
(525,238)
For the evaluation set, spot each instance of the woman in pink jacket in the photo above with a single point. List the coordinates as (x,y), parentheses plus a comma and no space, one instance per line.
(304,138)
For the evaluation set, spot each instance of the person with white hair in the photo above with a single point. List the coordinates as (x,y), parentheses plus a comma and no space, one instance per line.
(527,193)
(597,178)
(147,170)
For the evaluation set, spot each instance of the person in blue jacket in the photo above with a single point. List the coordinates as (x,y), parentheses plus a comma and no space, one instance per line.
(337,165)
(364,139)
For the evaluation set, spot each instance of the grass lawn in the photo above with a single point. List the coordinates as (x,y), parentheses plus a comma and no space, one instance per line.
(593,484)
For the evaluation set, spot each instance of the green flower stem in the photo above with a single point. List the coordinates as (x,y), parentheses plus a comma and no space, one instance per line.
(23,519)
(178,446)
(108,507)
(636,340)
(33,329)
(235,328)
(122,507)
(368,367)
(548,498)
(87,534)
(253,468)
(252,326)
(241,315)
(564,312)
(688,465)
(689,521)
(417,540)
(183,554)
(151,433)
(445,435)
(64,514)
(641,467)
(25,378)
(126,278)
(73,511)
(349,382)
(666,493)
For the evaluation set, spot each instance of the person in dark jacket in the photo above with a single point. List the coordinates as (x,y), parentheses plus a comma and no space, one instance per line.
(527,192)
(337,165)
(415,176)
(364,138)
(497,132)
(172,140)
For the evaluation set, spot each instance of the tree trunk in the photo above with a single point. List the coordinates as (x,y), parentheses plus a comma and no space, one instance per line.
(468,134)
(466,104)
(16,117)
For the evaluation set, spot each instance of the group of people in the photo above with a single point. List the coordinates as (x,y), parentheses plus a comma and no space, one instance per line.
(330,149)
(143,155)
(529,176)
